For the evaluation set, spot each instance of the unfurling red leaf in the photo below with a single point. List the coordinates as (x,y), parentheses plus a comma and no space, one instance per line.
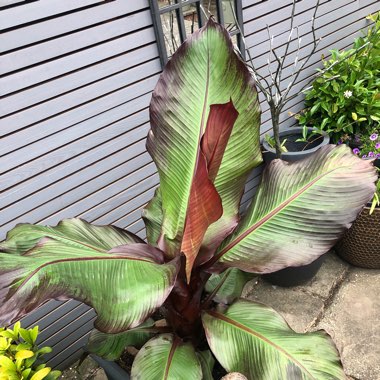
(194,145)
(205,205)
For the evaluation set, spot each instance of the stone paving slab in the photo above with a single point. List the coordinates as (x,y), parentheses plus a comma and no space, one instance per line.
(343,300)
(297,307)
(87,370)
(301,306)
(353,320)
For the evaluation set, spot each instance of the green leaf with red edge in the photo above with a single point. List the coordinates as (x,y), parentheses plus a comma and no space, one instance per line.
(300,210)
(111,346)
(231,284)
(255,340)
(71,231)
(203,76)
(152,216)
(166,357)
(207,362)
(124,284)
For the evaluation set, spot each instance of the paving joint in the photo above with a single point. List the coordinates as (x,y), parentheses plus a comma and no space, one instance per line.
(330,297)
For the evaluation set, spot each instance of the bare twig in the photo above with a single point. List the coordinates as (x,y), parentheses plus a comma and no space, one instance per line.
(290,35)
(316,42)
(306,86)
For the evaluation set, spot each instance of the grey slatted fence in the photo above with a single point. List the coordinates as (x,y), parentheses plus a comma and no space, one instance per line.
(76,79)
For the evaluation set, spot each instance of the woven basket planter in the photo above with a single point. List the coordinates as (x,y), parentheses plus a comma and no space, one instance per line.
(360,245)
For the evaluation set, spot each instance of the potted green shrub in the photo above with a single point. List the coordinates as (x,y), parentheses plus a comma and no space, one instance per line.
(345,100)
(205,141)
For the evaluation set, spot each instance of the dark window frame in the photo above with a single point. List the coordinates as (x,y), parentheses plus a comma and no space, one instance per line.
(178,8)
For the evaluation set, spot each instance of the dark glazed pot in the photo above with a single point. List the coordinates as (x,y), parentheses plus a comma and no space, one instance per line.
(292,134)
(112,369)
(294,276)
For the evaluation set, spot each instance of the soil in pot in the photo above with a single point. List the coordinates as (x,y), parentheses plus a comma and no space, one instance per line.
(292,145)
(126,361)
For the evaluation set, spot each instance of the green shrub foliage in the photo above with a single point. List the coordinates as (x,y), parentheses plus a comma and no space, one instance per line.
(345,100)
(19,355)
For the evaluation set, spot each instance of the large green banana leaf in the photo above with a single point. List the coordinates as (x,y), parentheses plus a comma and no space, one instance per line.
(166,357)
(254,340)
(124,284)
(194,145)
(300,211)
(72,231)
(111,346)
(231,284)
(207,362)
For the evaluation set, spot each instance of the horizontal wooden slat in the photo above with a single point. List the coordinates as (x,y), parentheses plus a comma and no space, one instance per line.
(279,15)
(63,154)
(47,308)
(77,79)
(4,3)
(40,9)
(65,351)
(325,17)
(75,61)
(105,198)
(134,198)
(119,101)
(88,192)
(67,44)
(68,23)
(129,211)
(94,152)
(76,179)
(73,99)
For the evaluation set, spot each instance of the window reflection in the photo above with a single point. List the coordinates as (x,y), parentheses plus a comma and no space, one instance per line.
(187,16)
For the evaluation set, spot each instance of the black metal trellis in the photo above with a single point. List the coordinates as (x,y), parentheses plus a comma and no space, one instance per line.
(178,8)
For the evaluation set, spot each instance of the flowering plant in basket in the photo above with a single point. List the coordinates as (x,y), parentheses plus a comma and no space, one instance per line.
(369,148)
